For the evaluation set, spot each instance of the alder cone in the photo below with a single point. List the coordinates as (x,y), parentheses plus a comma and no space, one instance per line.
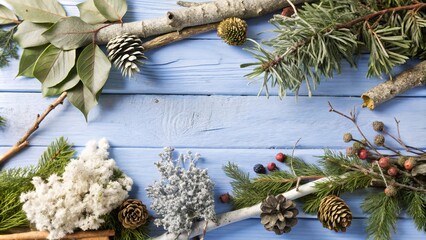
(133,214)
(334,214)
(278,214)
(126,52)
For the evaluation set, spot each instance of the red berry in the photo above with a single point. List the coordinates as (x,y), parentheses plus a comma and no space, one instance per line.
(225,198)
(392,171)
(363,154)
(272,166)
(409,164)
(384,162)
(280,157)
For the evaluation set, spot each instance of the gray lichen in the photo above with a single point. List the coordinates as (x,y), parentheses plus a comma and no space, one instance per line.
(182,195)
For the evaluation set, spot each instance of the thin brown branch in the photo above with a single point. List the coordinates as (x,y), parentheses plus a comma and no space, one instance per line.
(43,235)
(380,13)
(176,36)
(23,142)
(352,118)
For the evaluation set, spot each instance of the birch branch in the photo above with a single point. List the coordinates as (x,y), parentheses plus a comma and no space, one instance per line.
(240,214)
(209,12)
(411,78)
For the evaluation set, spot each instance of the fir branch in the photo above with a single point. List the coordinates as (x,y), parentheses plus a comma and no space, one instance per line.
(2,121)
(15,181)
(248,192)
(301,168)
(8,47)
(383,212)
(416,208)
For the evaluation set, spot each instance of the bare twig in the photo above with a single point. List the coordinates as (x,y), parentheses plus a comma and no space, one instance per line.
(352,118)
(289,180)
(43,235)
(176,36)
(23,142)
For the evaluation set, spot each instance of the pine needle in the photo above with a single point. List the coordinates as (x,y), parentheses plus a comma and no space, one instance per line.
(8,47)
(383,212)
(2,121)
(416,208)
(15,181)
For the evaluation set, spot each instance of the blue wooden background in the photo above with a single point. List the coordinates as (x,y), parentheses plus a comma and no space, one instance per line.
(192,95)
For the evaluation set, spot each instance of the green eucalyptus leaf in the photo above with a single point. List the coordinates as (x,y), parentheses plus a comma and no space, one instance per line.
(53,65)
(29,34)
(89,13)
(69,82)
(70,33)
(113,10)
(28,58)
(7,16)
(93,68)
(38,11)
(82,98)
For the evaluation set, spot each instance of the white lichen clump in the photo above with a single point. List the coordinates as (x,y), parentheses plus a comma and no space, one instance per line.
(182,195)
(91,187)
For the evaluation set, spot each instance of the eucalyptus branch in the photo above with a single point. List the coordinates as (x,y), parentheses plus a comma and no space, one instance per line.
(23,142)
(240,214)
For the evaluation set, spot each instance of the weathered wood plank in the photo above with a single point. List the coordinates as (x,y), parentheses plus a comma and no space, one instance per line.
(208,121)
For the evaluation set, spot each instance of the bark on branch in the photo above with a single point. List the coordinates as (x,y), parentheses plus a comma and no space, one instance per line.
(86,235)
(411,78)
(210,12)
(240,214)
(23,142)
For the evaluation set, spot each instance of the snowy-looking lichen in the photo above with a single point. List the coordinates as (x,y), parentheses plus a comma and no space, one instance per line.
(182,195)
(91,187)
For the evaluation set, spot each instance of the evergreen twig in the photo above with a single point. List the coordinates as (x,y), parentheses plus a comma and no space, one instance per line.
(8,47)
(15,181)
(313,42)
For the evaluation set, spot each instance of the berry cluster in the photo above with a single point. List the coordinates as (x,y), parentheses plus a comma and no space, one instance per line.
(260,169)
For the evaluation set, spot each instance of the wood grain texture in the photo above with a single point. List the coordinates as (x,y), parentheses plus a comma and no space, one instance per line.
(193,95)
(208,121)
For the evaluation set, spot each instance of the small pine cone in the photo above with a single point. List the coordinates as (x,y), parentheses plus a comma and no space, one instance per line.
(133,214)
(126,52)
(278,214)
(334,214)
(233,31)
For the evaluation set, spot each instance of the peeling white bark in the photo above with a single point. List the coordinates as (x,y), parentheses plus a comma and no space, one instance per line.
(240,214)
(209,12)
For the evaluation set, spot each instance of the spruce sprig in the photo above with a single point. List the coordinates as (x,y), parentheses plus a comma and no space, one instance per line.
(383,212)
(248,192)
(15,181)
(2,121)
(8,47)
(313,43)
(416,208)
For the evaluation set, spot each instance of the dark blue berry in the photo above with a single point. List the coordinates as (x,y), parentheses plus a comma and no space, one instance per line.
(259,169)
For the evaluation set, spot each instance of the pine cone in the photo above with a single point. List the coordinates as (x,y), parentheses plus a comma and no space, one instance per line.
(233,31)
(334,214)
(126,52)
(133,214)
(278,214)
